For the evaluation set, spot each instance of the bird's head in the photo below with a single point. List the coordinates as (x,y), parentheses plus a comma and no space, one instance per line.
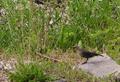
(77,48)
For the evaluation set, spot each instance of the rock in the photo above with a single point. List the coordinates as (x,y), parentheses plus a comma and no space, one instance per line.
(4,79)
(8,67)
(100,66)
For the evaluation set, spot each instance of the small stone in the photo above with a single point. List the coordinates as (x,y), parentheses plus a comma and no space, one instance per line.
(4,79)
(8,67)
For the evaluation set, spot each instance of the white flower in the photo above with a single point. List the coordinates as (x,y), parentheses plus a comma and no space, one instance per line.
(51,22)
(118,7)
(99,0)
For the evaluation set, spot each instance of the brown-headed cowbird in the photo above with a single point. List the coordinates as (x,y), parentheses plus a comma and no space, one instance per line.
(85,54)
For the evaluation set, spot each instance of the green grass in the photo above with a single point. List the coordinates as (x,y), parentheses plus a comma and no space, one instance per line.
(31,72)
(93,24)
(47,71)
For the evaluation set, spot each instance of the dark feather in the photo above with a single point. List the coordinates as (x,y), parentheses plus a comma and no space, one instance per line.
(85,53)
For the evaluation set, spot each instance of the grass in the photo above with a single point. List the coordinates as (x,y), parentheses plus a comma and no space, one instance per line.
(28,27)
(47,71)
(93,24)
(28,73)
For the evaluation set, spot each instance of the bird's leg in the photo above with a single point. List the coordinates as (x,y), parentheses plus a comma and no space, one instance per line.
(101,55)
(85,61)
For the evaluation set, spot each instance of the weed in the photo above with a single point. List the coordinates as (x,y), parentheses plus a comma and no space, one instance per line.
(28,73)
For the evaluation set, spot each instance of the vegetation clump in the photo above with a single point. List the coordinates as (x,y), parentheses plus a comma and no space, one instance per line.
(28,73)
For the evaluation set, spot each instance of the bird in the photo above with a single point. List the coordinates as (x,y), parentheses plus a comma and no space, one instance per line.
(85,54)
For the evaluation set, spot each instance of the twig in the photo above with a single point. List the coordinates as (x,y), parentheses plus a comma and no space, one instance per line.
(49,58)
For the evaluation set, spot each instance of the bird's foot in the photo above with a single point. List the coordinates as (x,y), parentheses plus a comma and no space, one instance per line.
(84,62)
